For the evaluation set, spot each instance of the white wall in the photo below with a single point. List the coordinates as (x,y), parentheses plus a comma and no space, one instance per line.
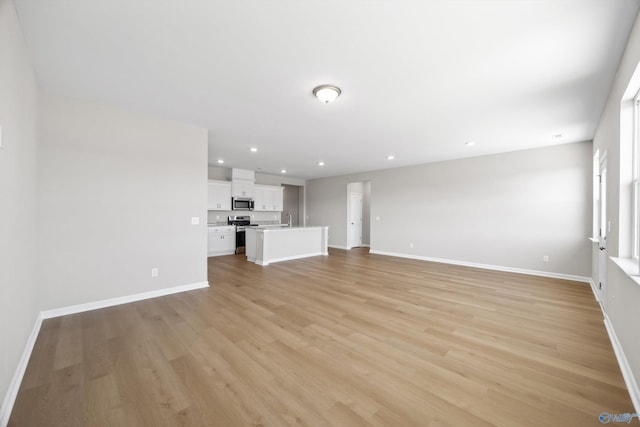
(504,210)
(622,297)
(117,193)
(19,289)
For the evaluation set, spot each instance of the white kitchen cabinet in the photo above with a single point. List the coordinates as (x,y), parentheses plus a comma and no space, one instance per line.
(242,188)
(245,174)
(278,199)
(263,198)
(268,198)
(219,196)
(222,240)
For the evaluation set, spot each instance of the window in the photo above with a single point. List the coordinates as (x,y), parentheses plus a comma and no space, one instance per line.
(596,195)
(635,202)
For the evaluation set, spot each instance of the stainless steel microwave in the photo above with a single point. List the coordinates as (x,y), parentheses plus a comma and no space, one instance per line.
(241,204)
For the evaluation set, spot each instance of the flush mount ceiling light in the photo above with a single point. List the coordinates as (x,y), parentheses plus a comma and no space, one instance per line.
(327,93)
(253,149)
(220,161)
(283,171)
(320,163)
(391,157)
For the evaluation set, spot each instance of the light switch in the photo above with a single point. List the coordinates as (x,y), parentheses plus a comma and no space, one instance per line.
(195,220)
(377,218)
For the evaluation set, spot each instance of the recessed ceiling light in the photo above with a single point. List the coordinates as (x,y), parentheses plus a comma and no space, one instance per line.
(391,157)
(220,161)
(320,163)
(327,93)
(283,171)
(253,149)
(470,143)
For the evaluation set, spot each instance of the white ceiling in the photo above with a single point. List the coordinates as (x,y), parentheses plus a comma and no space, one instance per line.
(418,78)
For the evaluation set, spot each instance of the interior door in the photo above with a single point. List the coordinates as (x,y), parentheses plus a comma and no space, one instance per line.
(603,229)
(355,220)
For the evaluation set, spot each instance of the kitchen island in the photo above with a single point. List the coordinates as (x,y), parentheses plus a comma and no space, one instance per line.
(266,245)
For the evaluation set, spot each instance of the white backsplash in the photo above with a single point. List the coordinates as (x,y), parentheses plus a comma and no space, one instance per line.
(256,217)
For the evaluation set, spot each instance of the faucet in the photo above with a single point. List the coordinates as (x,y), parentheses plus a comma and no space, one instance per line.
(288,219)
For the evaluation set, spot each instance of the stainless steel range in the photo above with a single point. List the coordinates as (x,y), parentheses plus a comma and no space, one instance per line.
(241,222)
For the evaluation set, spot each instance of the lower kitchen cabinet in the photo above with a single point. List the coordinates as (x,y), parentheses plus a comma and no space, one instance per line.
(222,240)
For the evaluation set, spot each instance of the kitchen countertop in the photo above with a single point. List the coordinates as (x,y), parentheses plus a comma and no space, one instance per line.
(255,225)
(286,228)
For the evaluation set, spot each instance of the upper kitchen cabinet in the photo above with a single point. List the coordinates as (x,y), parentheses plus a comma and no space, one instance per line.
(278,199)
(242,183)
(242,188)
(268,198)
(219,196)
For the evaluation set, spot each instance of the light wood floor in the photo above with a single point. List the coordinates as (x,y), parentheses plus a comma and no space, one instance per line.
(345,340)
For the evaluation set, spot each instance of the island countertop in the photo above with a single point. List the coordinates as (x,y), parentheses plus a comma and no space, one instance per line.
(270,228)
(266,245)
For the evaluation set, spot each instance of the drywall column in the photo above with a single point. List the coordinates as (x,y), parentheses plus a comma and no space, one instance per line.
(118,191)
(19,291)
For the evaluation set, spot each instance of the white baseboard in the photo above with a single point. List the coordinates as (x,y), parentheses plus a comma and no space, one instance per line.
(73,309)
(625,368)
(339,247)
(289,258)
(14,386)
(627,374)
(487,266)
(596,294)
(366,245)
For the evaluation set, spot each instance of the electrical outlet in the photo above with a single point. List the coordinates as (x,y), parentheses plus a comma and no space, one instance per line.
(217,217)
(377,218)
(411,245)
(154,272)
(195,220)
(545,258)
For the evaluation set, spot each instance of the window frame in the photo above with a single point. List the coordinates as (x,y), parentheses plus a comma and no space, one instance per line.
(635,181)
(595,233)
